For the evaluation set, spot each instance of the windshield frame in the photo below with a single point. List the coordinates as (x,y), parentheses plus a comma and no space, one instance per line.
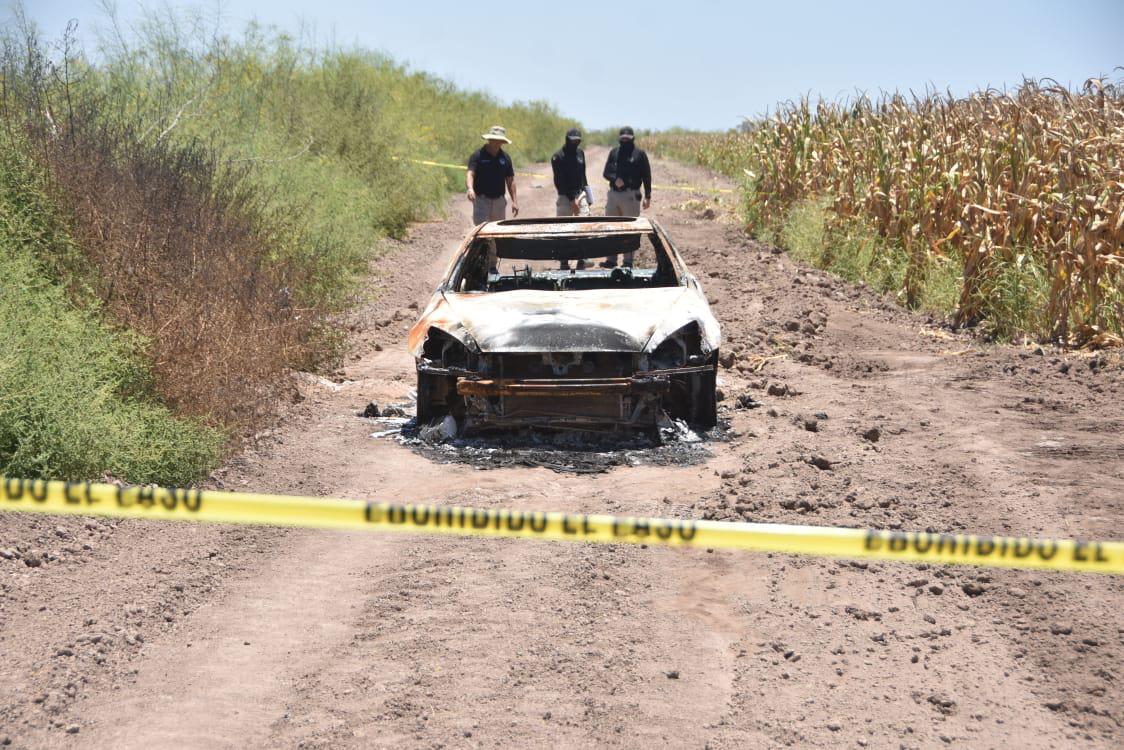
(666,254)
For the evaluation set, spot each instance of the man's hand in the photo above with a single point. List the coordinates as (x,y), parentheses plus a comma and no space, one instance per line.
(575,206)
(471,195)
(619,183)
(647,202)
(514,209)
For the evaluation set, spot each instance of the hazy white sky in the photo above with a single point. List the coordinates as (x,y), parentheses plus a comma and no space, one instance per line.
(695,63)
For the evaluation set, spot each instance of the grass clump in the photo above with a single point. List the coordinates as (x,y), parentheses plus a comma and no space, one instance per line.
(858,254)
(74,393)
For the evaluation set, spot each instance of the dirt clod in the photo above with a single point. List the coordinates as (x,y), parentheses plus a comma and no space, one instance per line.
(821,463)
(942,703)
(972,589)
(747,401)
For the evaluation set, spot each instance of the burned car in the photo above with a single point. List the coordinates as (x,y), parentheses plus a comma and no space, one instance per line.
(534,324)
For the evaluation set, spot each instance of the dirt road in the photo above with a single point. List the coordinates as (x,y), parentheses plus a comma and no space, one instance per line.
(130,634)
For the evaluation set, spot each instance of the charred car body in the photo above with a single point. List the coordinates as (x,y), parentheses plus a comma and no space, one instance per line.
(512,338)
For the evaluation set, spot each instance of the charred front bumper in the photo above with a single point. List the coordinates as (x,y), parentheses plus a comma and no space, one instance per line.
(571,388)
(564,402)
(630,401)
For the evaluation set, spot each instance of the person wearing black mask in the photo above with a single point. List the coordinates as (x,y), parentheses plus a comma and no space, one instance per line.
(568,164)
(627,171)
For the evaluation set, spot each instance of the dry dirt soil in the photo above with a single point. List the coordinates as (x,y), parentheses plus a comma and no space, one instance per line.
(132,634)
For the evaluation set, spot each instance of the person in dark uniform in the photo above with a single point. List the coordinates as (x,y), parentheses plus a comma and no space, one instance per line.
(568,165)
(627,171)
(490,172)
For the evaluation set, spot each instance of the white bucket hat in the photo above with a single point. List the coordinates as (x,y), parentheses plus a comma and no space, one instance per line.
(496,133)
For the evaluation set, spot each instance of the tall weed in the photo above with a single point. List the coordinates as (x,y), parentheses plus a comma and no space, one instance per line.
(180,253)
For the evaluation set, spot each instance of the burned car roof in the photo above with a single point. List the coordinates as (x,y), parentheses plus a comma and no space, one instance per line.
(566,226)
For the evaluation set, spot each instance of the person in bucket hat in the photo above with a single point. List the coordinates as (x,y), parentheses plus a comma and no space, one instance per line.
(490,173)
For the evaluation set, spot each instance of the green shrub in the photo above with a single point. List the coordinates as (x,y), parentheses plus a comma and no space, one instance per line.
(74,393)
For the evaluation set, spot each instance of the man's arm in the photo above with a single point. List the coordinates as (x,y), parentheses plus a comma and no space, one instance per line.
(470,178)
(514,200)
(646,176)
(576,195)
(559,182)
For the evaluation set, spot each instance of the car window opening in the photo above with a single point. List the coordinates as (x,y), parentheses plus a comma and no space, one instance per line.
(559,263)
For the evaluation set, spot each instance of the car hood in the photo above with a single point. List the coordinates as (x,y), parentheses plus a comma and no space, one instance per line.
(577,321)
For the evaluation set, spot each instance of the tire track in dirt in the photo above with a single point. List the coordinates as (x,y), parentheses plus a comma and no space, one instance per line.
(359,641)
(982,646)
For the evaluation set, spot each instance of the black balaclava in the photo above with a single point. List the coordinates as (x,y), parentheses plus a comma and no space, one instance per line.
(627,144)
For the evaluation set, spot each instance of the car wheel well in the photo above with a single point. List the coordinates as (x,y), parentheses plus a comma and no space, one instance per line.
(692,396)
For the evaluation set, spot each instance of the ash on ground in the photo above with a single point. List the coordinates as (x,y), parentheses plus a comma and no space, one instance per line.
(564,451)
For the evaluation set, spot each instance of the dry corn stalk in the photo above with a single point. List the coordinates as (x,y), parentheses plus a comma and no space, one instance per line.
(997,181)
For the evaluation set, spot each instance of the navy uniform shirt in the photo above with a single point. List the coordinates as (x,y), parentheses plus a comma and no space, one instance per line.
(491,172)
(631,165)
(569,171)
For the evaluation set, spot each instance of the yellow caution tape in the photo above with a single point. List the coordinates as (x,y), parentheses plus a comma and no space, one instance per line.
(693,188)
(463,167)
(687,188)
(171,503)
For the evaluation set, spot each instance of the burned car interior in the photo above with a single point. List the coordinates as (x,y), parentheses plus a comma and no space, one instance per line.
(572,324)
(534,261)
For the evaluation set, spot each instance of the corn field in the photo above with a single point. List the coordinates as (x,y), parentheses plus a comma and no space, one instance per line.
(1019,188)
